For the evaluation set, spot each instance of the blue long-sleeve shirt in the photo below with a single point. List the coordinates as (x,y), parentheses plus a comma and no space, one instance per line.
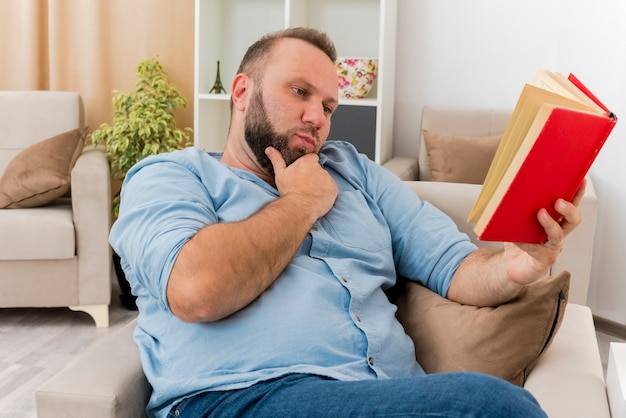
(327,313)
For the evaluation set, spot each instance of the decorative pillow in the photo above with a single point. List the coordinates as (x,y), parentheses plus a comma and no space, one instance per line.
(504,341)
(460,159)
(41,173)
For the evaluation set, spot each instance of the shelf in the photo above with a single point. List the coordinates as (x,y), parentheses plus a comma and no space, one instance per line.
(342,102)
(213,96)
(359,28)
(358,102)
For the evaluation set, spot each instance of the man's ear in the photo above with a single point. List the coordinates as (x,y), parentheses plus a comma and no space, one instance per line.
(241,91)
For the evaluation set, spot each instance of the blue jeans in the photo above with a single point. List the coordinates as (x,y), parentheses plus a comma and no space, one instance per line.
(300,395)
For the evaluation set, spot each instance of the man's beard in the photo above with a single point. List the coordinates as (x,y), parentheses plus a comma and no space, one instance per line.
(260,134)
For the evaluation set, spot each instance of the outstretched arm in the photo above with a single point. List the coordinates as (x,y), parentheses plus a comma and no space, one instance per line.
(226,266)
(489,278)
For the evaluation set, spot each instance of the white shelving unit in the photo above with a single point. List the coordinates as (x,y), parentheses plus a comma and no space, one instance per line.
(360,28)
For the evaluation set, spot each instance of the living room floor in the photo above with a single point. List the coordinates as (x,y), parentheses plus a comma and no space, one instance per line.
(37,343)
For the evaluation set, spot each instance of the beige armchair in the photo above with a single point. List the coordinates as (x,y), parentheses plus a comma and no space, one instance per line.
(577,251)
(107,380)
(56,254)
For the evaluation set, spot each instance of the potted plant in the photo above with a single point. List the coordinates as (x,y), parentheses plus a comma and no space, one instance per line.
(143,125)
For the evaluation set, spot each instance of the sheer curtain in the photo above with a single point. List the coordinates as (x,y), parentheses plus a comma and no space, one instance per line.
(94,47)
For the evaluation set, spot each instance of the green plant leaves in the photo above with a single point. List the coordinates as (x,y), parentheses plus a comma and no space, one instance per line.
(143,122)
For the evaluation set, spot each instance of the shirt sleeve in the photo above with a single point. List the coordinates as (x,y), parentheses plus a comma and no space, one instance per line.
(427,245)
(163,205)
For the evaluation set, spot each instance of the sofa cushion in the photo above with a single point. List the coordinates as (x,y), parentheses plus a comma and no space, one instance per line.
(45,233)
(460,159)
(41,172)
(503,341)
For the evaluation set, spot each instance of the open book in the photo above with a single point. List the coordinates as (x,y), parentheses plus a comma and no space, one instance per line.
(555,133)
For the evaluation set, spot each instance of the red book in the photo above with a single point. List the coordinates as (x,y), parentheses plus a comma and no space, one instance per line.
(555,133)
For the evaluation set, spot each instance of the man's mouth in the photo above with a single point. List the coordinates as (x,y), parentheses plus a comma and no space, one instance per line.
(307,142)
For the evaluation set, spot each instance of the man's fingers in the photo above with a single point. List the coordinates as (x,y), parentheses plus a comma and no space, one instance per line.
(558,230)
(553,229)
(276,158)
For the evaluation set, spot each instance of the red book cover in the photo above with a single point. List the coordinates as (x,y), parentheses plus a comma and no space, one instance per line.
(554,167)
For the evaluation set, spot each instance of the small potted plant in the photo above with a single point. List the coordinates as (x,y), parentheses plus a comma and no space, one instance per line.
(143,125)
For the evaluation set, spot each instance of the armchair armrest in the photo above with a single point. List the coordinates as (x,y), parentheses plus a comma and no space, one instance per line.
(568,379)
(407,168)
(91,206)
(106,381)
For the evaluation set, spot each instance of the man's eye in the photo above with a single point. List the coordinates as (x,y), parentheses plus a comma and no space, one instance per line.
(298,91)
(328,110)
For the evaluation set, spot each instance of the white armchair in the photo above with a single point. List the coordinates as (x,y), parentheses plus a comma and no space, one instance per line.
(108,381)
(56,254)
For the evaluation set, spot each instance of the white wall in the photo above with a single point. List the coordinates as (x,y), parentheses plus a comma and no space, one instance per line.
(480,53)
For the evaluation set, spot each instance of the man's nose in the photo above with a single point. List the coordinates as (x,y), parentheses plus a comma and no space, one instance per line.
(314,115)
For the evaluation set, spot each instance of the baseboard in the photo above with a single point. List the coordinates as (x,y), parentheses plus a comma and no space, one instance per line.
(610,327)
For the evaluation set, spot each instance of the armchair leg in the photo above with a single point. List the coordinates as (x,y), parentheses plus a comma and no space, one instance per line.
(99,313)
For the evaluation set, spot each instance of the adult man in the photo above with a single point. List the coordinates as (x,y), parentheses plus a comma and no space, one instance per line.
(260,272)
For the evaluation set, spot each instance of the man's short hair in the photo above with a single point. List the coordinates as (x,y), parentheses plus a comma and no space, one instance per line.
(253,62)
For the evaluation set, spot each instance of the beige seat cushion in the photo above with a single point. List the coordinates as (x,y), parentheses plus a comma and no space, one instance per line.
(45,233)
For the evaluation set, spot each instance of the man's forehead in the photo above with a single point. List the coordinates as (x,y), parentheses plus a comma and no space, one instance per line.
(295,47)
(296,54)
